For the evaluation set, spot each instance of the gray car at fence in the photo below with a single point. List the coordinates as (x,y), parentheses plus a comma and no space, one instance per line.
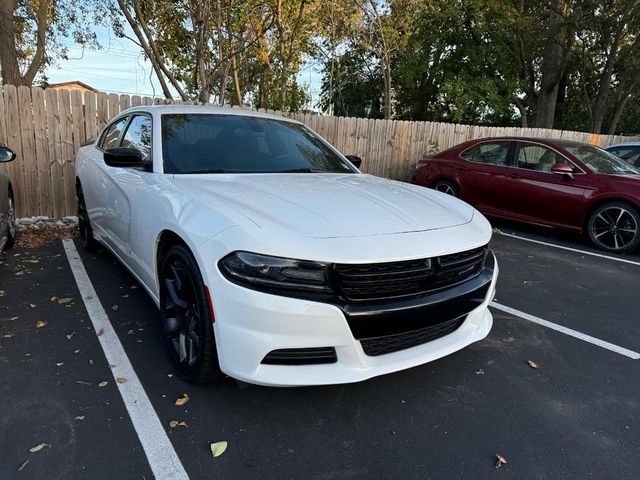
(7,203)
(629,151)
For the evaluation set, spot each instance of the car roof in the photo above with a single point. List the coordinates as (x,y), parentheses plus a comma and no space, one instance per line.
(156,110)
(626,144)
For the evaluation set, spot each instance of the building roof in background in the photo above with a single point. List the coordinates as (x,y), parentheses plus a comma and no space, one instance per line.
(74,84)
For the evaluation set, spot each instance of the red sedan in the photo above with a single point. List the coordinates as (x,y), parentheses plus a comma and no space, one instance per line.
(556,183)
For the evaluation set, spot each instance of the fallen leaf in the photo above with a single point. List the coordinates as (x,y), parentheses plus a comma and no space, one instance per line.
(126,295)
(121,379)
(54,298)
(501,460)
(176,423)
(38,447)
(2,292)
(41,324)
(480,372)
(62,301)
(115,308)
(130,332)
(76,351)
(100,332)
(533,364)
(13,318)
(70,335)
(33,305)
(218,448)
(24,464)
(82,382)
(59,364)
(182,400)
(80,417)
(103,384)
(134,287)
(90,362)
(8,335)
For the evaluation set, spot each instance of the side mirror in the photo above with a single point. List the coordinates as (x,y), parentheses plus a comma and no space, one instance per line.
(356,160)
(562,169)
(123,157)
(6,155)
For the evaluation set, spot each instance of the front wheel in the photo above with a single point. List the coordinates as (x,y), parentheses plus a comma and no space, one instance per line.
(445,186)
(614,227)
(186,318)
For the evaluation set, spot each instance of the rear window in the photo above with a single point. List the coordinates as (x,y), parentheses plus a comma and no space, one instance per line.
(208,143)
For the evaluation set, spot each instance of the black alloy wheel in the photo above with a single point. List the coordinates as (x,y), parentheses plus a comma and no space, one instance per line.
(445,186)
(615,227)
(87,239)
(186,318)
(11,222)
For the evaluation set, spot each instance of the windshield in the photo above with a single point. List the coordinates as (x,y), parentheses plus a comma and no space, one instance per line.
(599,160)
(209,143)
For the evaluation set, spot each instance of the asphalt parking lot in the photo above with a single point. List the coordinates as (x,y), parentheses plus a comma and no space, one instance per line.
(576,416)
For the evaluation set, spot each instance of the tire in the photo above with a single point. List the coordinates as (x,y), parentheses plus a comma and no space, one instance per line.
(11,223)
(446,186)
(186,318)
(87,240)
(615,227)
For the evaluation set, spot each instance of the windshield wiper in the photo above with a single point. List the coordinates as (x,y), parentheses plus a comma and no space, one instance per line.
(210,170)
(302,170)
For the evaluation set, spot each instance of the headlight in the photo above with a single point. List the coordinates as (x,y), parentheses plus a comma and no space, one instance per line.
(275,274)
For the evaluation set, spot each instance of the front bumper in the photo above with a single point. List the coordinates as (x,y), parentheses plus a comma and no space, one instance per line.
(250,324)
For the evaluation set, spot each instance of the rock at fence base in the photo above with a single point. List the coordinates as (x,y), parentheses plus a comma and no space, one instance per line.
(60,223)
(40,218)
(25,221)
(70,220)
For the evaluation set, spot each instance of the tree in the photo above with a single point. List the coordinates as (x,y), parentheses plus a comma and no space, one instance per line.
(32,31)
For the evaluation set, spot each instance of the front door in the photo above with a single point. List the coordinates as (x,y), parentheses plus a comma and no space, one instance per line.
(538,195)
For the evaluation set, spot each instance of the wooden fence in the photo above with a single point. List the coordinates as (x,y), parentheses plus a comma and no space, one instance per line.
(46,127)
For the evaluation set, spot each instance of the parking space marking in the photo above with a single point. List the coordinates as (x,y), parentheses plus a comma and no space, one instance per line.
(162,457)
(570,249)
(567,331)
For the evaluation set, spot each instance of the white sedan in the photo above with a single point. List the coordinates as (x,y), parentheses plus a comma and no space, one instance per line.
(272,258)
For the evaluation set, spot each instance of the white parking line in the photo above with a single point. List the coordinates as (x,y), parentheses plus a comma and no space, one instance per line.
(162,458)
(567,331)
(562,247)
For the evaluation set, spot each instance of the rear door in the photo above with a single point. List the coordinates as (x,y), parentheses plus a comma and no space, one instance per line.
(536,194)
(483,175)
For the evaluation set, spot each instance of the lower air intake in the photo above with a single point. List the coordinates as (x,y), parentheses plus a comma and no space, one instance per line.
(394,343)
(301,356)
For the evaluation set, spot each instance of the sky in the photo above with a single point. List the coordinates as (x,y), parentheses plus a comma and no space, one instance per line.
(120,67)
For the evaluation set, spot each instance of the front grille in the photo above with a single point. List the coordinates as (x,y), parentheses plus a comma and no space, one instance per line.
(412,277)
(393,343)
(301,356)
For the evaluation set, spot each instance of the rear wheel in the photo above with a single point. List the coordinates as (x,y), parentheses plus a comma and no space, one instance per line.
(87,239)
(186,318)
(615,226)
(11,222)
(445,186)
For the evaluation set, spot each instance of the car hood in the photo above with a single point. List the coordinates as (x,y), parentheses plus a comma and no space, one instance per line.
(327,205)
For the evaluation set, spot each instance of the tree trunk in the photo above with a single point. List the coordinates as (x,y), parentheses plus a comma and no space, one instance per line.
(236,80)
(554,62)
(8,53)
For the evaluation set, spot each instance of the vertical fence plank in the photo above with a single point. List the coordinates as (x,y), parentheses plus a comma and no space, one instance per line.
(42,152)
(68,153)
(55,151)
(90,116)
(28,164)
(103,110)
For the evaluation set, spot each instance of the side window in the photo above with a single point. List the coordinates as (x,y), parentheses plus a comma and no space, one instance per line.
(112,135)
(494,153)
(539,158)
(630,154)
(138,135)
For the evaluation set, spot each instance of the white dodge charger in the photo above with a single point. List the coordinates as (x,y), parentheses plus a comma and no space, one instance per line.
(272,259)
